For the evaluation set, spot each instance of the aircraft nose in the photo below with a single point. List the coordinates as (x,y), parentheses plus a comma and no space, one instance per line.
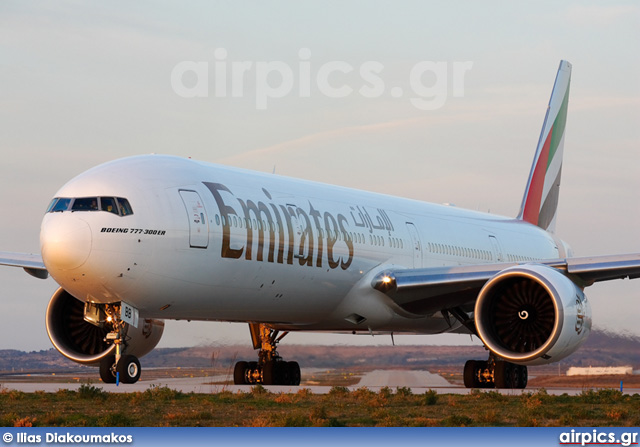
(65,241)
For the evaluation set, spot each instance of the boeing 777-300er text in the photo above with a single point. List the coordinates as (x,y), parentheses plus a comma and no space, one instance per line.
(144,239)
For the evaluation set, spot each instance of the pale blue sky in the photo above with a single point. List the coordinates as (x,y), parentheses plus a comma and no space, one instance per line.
(84,83)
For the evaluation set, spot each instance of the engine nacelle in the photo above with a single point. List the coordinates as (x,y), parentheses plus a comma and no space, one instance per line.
(83,342)
(532,315)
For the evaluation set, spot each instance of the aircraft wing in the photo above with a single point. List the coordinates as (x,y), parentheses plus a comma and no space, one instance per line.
(428,290)
(31,263)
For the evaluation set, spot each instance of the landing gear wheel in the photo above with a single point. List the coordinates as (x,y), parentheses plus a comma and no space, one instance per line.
(510,375)
(283,373)
(129,369)
(294,373)
(240,373)
(107,370)
(503,375)
(269,373)
(521,377)
(470,374)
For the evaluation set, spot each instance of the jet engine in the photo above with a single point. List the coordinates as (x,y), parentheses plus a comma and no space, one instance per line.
(84,342)
(532,315)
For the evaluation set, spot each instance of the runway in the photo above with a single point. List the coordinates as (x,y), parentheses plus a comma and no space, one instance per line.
(419,381)
(397,378)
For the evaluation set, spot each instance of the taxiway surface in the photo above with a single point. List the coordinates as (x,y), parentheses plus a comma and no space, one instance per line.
(419,381)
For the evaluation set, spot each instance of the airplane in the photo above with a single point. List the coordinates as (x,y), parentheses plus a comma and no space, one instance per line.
(140,240)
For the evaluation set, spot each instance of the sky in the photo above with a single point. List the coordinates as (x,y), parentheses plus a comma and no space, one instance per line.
(436,101)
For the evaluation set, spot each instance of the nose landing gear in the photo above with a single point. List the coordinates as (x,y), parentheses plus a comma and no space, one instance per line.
(127,369)
(270,369)
(118,368)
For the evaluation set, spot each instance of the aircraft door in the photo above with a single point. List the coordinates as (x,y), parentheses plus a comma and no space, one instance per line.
(416,245)
(497,251)
(198,221)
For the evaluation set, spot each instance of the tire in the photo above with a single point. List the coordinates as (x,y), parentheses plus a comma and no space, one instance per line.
(269,373)
(239,373)
(129,369)
(283,375)
(470,378)
(510,376)
(106,369)
(521,377)
(294,373)
(502,375)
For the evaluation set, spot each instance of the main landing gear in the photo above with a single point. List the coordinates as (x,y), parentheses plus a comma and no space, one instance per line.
(494,373)
(118,368)
(270,369)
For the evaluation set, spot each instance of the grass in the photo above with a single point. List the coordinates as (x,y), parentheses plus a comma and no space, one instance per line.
(162,406)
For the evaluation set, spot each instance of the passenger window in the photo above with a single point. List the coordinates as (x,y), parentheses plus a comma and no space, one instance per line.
(125,208)
(85,204)
(109,205)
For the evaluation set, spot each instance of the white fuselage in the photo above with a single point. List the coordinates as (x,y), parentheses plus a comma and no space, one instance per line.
(207,242)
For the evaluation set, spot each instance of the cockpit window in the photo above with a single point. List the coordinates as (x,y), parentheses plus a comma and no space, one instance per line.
(109,205)
(85,204)
(52,204)
(115,205)
(125,208)
(59,204)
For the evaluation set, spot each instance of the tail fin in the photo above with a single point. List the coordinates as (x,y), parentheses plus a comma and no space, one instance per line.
(540,201)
